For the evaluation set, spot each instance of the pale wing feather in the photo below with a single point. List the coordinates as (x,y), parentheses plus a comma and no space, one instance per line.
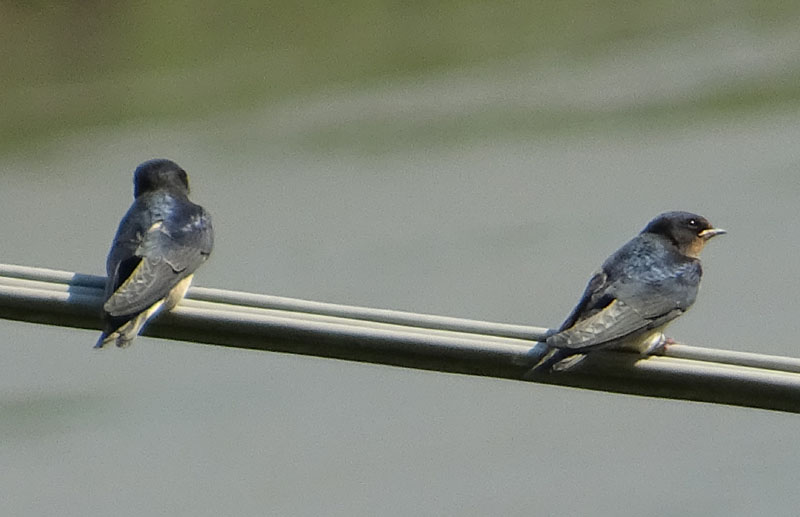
(149,282)
(617,321)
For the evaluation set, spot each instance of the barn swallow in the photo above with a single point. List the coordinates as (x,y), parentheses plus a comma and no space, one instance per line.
(647,283)
(160,243)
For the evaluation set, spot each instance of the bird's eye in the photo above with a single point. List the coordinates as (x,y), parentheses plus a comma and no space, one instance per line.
(692,223)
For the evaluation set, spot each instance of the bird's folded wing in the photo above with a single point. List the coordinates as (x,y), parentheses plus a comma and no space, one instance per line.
(616,321)
(165,260)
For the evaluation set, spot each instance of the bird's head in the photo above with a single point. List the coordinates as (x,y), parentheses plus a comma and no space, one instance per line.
(689,232)
(159,174)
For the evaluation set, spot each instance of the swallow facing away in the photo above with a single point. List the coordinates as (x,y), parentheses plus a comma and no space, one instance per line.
(647,283)
(160,243)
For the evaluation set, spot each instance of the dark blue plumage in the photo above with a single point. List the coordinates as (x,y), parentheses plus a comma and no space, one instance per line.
(648,282)
(160,243)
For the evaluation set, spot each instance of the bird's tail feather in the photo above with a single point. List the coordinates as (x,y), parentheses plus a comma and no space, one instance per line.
(125,334)
(554,360)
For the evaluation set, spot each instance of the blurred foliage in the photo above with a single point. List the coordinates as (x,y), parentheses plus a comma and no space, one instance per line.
(79,64)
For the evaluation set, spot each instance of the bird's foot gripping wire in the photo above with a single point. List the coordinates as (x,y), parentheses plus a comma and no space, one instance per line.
(658,345)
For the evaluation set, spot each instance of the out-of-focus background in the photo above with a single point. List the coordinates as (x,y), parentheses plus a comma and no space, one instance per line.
(467,158)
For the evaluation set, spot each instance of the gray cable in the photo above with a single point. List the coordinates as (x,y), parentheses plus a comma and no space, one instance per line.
(420,341)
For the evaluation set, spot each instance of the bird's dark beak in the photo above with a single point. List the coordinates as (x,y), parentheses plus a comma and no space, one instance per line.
(707,234)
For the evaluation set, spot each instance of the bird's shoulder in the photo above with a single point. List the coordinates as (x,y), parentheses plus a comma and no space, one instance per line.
(173,215)
(651,260)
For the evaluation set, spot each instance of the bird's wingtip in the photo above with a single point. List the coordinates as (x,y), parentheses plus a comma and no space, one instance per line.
(544,364)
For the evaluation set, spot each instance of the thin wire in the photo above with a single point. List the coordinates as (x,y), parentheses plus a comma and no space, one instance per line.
(262,301)
(420,341)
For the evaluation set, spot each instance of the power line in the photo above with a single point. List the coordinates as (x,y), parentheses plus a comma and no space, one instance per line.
(445,344)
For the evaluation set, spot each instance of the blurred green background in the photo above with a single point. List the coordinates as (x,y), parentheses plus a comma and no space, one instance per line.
(475,159)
